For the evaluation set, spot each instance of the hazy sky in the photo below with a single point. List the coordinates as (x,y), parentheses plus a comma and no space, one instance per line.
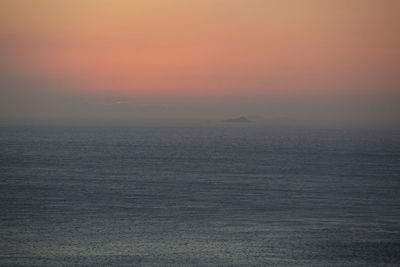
(190,59)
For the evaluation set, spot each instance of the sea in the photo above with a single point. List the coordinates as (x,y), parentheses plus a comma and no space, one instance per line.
(219,195)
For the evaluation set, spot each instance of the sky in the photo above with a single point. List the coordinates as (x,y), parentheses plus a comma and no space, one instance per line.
(120,60)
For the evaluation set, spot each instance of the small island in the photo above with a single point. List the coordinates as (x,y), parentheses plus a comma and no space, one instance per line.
(238,120)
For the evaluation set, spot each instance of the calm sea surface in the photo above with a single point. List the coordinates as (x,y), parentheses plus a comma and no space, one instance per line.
(159,196)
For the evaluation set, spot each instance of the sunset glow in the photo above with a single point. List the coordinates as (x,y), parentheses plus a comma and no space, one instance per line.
(185,59)
(203,47)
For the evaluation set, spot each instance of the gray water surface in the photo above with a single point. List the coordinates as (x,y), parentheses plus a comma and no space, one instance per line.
(202,196)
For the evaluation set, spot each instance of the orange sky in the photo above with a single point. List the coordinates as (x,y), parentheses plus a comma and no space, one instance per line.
(192,47)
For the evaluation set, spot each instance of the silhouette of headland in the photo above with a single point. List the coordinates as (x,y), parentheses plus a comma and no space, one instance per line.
(238,120)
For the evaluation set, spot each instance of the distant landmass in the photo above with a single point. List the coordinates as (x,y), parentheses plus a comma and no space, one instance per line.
(238,120)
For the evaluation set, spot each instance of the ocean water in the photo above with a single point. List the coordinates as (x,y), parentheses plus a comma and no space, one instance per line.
(199,196)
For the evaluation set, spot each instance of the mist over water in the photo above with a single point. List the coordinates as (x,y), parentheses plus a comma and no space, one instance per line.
(53,106)
(211,195)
